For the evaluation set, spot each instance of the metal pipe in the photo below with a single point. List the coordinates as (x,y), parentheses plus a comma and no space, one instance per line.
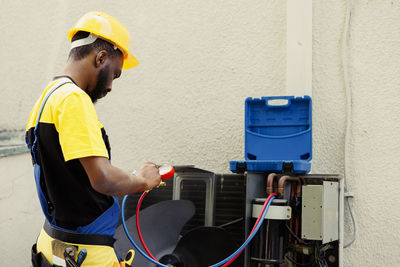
(270,189)
(299,42)
(291,203)
(270,183)
(284,179)
(292,195)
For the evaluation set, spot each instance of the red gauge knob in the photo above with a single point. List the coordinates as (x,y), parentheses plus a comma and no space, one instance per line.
(166,171)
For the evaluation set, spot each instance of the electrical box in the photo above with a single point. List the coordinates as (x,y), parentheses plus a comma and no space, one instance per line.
(320,212)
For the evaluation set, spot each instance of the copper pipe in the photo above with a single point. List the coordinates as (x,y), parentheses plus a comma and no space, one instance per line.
(298,189)
(303,181)
(292,203)
(270,183)
(290,226)
(291,195)
(296,231)
(282,181)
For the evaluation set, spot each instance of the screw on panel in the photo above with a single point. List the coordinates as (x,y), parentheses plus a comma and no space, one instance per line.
(332,258)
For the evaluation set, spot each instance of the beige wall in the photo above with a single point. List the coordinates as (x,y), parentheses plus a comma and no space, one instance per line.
(199,60)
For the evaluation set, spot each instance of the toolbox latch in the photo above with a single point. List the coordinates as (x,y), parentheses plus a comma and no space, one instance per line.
(287,167)
(241,167)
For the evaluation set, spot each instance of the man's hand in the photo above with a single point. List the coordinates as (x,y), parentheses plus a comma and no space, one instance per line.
(150,174)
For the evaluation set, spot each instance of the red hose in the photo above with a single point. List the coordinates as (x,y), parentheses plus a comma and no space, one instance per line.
(254,227)
(226,264)
(138,226)
(166,172)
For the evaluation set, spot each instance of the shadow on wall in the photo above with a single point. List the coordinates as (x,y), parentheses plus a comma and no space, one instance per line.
(12,142)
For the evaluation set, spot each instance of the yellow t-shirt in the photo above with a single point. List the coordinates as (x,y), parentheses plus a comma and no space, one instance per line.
(72,112)
(69,129)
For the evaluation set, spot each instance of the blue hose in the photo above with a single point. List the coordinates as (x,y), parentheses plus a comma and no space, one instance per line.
(131,239)
(215,265)
(248,239)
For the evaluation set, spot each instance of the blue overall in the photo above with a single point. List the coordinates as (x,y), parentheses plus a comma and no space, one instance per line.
(106,223)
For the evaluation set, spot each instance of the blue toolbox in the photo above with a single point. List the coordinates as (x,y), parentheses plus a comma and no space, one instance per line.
(278,135)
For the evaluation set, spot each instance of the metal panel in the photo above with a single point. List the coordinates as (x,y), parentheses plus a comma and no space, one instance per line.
(330,212)
(311,220)
(320,214)
(210,182)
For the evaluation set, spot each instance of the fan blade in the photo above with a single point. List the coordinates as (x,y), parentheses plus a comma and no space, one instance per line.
(202,247)
(160,225)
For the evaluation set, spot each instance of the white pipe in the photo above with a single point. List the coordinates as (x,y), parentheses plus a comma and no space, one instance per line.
(299,47)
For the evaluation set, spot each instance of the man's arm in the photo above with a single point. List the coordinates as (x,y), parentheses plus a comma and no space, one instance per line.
(110,180)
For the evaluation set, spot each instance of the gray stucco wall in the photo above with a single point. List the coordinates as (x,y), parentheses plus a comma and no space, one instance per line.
(199,60)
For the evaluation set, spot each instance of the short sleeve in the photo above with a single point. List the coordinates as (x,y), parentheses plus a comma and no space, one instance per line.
(78,128)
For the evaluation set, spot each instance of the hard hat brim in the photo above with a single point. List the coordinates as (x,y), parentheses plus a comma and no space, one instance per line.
(130,61)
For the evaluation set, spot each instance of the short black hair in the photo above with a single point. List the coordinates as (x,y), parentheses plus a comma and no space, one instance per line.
(80,52)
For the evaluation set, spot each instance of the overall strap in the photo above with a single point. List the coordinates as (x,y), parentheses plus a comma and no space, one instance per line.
(34,145)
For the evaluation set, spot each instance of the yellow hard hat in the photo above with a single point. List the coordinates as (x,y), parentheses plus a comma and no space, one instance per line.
(109,29)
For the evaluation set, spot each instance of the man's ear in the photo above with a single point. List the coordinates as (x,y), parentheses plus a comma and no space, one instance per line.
(100,58)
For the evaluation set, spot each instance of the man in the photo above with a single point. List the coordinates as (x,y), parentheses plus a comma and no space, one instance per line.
(76,183)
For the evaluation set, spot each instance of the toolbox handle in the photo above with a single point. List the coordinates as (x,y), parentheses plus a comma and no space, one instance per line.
(277,102)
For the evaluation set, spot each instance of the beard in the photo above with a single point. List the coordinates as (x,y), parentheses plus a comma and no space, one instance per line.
(100,89)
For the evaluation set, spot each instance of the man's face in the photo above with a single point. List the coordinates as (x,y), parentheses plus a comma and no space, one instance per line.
(100,90)
(105,78)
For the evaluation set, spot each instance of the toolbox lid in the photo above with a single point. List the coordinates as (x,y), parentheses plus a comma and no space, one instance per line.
(278,129)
